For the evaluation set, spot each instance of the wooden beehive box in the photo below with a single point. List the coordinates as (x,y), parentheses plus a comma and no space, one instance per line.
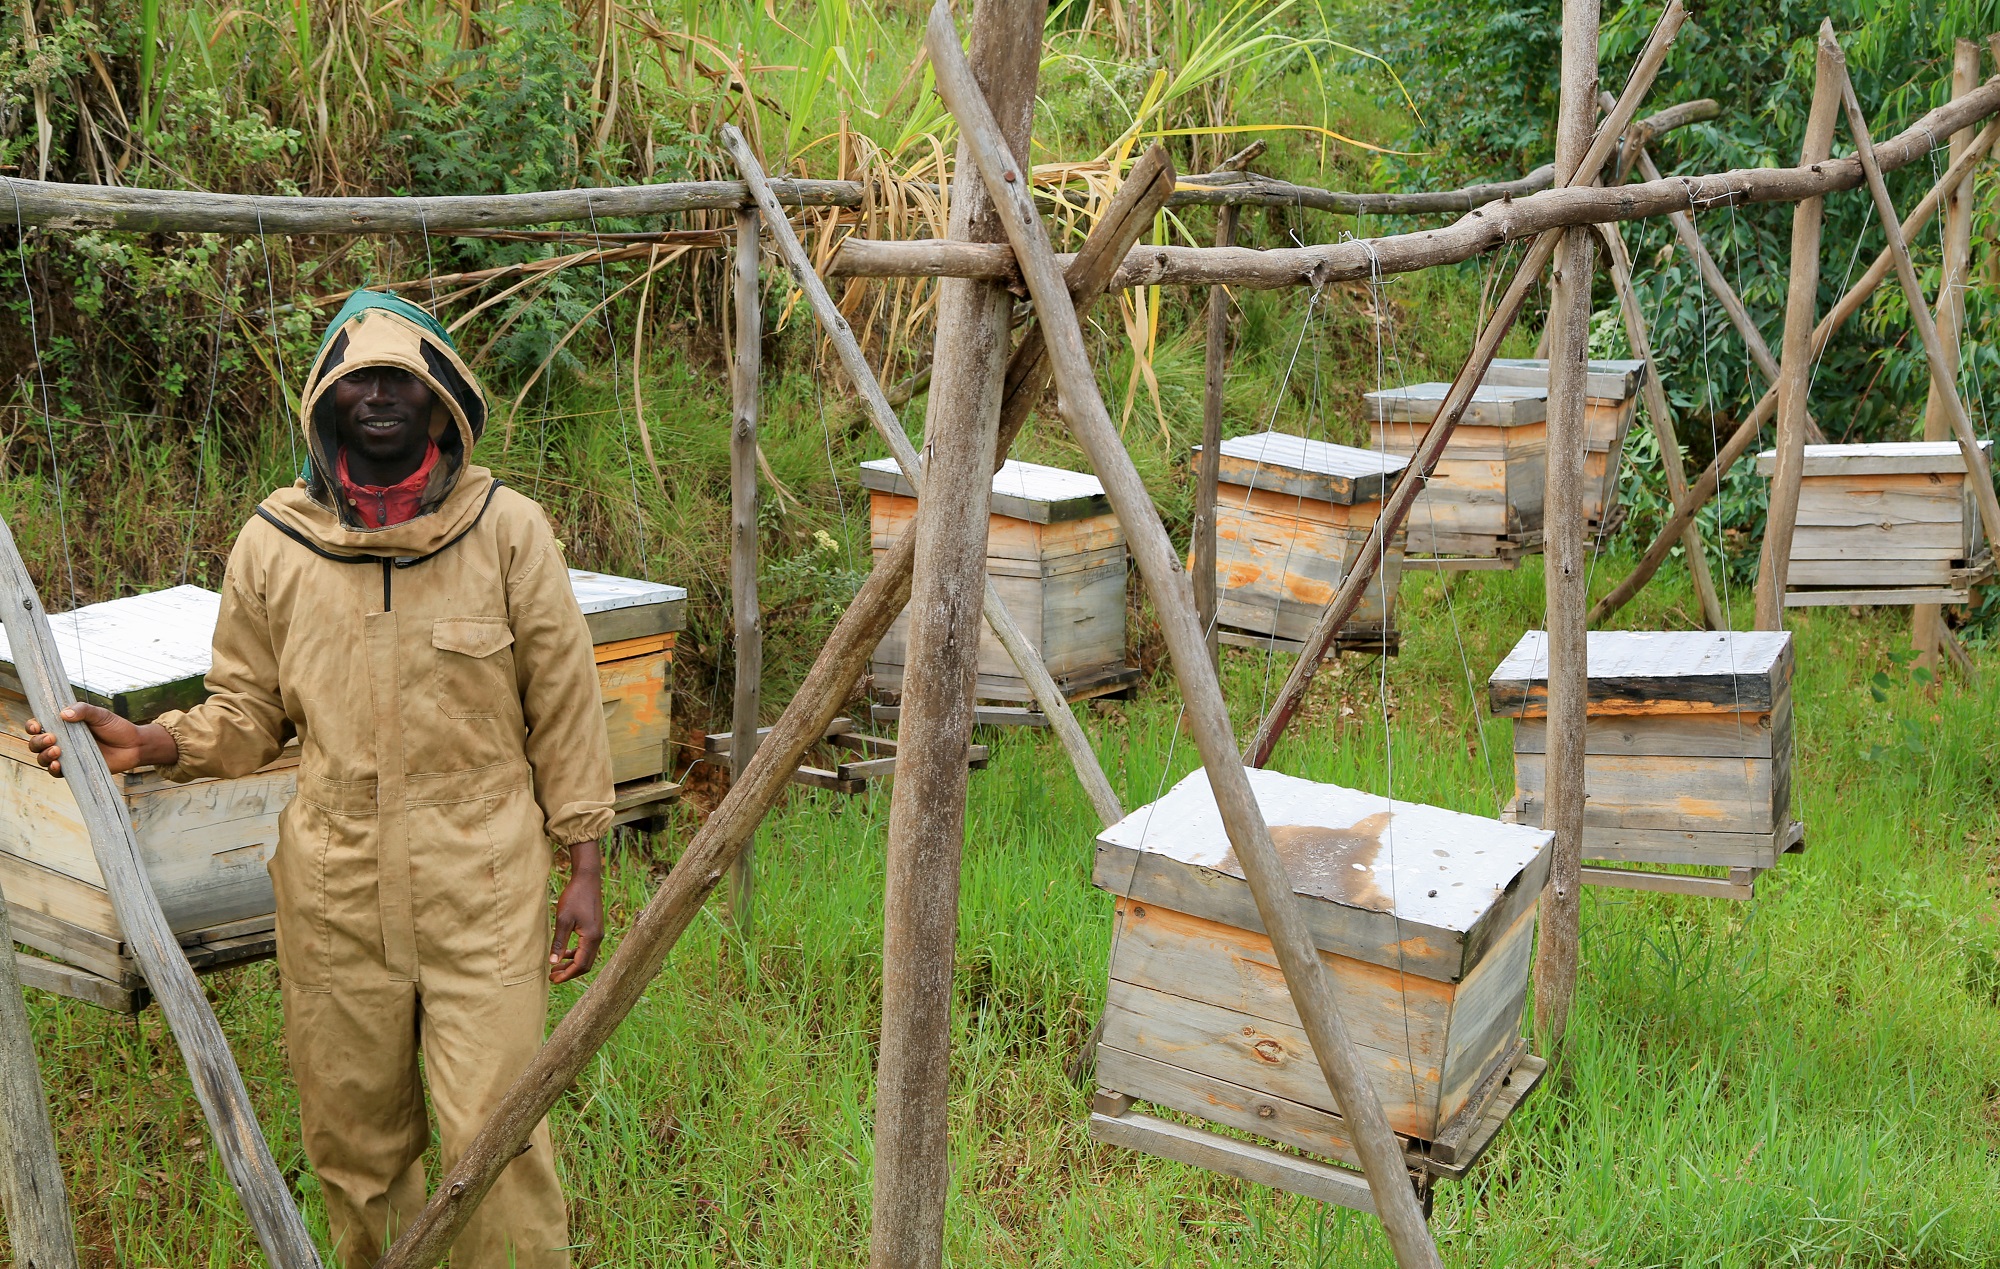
(1291,517)
(1687,748)
(1425,918)
(1611,398)
(1056,555)
(1484,498)
(1888,523)
(634,625)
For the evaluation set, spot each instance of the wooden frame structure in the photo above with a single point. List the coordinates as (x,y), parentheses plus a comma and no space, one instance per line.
(1573,201)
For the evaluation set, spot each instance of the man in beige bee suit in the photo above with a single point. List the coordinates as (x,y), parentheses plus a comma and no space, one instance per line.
(412,622)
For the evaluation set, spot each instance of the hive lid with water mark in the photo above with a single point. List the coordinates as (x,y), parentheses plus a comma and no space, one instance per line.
(1491,405)
(1654,671)
(1613,380)
(1024,491)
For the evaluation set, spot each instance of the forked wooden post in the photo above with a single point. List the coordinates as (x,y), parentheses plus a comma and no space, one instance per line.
(1927,620)
(217,1085)
(1795,377)
(745,373)
(32,1196)
(947,589)
(1207,712)
(1565,565)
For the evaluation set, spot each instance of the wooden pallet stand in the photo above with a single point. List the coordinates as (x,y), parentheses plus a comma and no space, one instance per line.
(1888,523)
(1687,755)
(1291,515)
(875,758)
(1425,917)
(1611,400)
(1483,500)
(1057,557)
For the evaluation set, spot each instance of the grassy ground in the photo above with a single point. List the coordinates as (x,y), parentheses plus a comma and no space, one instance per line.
(1809,1079)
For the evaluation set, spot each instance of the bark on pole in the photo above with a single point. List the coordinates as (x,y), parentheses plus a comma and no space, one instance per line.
(745,372)
(1704,487)
(1927,620)
(1565,565)
(1207,713)
(1653,394)
(947,594)
(1795,373)
(1208,472)
(32,1196)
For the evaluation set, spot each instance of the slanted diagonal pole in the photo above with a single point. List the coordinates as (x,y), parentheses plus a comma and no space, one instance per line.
(32,1194)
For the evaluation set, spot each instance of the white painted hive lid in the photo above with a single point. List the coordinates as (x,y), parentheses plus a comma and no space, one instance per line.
(1879,458)
(1491,405)
(1728,671)
(603,592)
(1283,451)
(122,646)
(1425,865)
(1025,491)
(1608,379)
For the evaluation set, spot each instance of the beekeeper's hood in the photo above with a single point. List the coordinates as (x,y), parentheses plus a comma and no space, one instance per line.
(375,329)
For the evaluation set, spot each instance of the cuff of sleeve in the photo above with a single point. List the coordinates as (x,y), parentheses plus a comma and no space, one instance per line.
(580,822)
(181,771)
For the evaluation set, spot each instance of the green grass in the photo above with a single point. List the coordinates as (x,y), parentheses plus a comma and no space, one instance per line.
(1809,1079)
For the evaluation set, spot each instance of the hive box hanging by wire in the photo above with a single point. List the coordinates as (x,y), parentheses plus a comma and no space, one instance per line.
(1687,752)
(1484,498)
(1291,517)
(1889,523)
(206,843)
(1611,398)
(1424,917)
(1056,555)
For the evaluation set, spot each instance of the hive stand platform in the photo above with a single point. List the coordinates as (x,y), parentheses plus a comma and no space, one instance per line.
(877,758)
(1112,683)
(101,971)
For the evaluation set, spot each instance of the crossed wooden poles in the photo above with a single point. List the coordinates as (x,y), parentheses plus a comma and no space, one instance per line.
(981,395)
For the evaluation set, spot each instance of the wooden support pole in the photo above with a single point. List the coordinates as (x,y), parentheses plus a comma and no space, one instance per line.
(1565,564)
(1801,307)
(1208,472)
(1944,373)
(246,1159)
(1430,448)
(1927,620)
(32,1196)
(1207,712)
(927,804)
(1149,181)
(1705,486)
(1653,394)
(745,373)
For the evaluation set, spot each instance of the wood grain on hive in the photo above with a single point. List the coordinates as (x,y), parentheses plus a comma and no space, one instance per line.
(1484,497)
(1887,523)
(1056,555)
(1291,517)
(1611,399)
(1425,917)
(1687,752)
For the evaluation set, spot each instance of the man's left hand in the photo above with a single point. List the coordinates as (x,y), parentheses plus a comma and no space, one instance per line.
(579,914)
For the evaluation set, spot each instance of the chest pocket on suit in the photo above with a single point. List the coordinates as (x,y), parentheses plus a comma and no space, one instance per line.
(475,672)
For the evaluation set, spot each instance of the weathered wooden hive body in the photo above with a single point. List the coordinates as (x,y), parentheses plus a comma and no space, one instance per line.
(1611,398)
(1484,498)
(1687,747)
(1888,523)
(1056,555)
(1425,918)
(206,843)
(1291,517)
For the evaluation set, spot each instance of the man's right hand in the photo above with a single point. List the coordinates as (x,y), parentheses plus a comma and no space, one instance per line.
(125,744)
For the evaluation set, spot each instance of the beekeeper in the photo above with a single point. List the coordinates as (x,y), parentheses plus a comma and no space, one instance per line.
(411,621)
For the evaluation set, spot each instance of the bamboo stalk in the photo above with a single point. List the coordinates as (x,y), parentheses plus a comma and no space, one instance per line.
(746,371)
(1396,508)
(32,1195)
(1207,712)
(1801,305)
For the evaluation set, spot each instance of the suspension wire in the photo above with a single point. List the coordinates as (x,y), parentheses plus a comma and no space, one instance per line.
(618,395)
(278,346)
(1313,414)
(207,414)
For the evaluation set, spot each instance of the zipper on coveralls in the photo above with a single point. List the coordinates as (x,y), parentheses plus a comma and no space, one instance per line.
(388,571)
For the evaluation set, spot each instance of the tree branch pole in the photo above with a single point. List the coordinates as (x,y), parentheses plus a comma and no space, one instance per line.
(1565,564)
(744,382)
(1705,486)
(1801,306)
(1396,507)
(927,801)
(1927,620)
(1653,394)
(1207,712)
(267,1202)
(32,1195)
(1208,470)
(1016,404)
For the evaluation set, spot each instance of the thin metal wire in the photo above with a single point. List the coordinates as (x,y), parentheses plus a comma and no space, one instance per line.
(618,395)
(207,417)
(278,344)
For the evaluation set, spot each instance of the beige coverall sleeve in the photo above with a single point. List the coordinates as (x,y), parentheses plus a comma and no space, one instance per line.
(561,700)
(241,726)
